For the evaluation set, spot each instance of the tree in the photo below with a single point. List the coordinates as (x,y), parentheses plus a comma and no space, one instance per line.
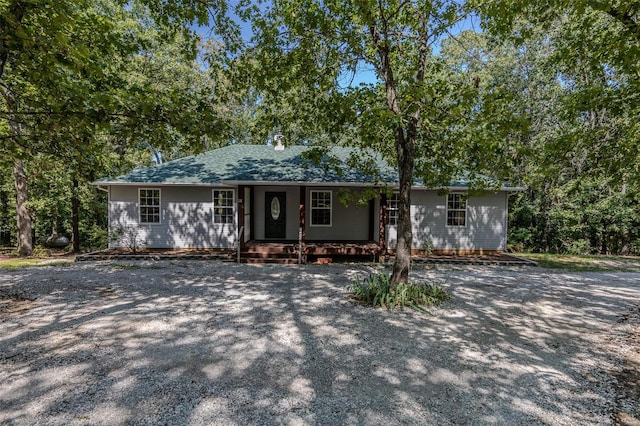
(303,52)
(582,164)
(71,72)
(50,56)
(595,54)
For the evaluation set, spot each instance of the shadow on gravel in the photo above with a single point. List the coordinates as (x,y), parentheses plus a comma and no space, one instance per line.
(213,343)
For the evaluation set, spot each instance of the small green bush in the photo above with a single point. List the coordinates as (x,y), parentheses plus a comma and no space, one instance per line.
(579,247)
(427,247)
(129,236)
(95,237)
(375,290)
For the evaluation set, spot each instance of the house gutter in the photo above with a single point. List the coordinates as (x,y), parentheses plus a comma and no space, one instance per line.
(233,183)
(117,183)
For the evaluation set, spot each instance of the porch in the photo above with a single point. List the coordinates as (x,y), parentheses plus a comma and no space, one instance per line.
(290,224)
(293,252)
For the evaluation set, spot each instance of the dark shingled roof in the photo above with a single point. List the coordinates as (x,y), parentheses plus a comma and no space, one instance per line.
(262,163)
(254,163)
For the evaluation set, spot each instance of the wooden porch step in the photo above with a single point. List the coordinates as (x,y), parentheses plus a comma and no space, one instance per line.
(269,250)
(269,255)
(287,251)
(282,261)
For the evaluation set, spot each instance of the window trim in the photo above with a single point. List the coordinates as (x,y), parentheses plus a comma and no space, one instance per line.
(159,206)
(465,199)
(330,208)
(213,205)
(395,209)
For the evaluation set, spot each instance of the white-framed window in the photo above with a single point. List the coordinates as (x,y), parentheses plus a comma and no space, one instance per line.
(149,205)
(223,206)
(320,208)
(393,203)
(456,209)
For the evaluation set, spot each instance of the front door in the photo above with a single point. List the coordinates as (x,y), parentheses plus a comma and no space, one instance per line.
(274,214)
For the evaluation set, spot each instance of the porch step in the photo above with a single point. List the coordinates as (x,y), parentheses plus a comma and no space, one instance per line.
(270,260)
(318,251)
(270,252)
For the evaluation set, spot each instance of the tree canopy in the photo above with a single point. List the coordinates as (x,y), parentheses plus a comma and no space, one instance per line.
(547,95)
(82,81)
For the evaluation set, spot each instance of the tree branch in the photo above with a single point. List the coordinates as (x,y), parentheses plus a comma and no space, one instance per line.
(17,11)
(627,18)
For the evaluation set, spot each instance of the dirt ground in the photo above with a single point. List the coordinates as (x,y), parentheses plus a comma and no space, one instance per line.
(628,376)
(208,342)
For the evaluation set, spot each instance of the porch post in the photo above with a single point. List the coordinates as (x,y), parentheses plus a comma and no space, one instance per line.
(372,215)
(252,204)
(241,201)
(303,233)
(382,222)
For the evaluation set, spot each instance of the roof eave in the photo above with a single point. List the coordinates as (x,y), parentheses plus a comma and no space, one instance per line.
(120,183)
(468,188)
(301,183)
(232,183)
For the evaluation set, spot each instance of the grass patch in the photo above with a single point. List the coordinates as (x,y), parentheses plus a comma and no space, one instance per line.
(32,262)
(585,263)
(375,290)
(123,266)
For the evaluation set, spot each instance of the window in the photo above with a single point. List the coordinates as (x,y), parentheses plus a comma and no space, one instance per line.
(320,208)
(456,210)
(149,201)
(223,206)
(392,209)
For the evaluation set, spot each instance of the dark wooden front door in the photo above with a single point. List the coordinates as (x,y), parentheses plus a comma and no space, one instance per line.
(274,214)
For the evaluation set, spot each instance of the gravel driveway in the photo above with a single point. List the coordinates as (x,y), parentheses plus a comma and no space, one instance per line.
(197,342)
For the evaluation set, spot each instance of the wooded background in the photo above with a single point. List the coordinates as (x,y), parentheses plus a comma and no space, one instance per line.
(543,94)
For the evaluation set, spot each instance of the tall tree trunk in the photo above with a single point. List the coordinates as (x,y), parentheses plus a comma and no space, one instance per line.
(405,148)
(23,217)
(25,226)
(405,153)
(75,216)
(405,132)
(5,234)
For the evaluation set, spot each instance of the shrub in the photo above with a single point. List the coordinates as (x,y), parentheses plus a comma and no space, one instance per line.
(129,236)
(427,247)
(579,247)
(95,237)
(520,239)
(376,291)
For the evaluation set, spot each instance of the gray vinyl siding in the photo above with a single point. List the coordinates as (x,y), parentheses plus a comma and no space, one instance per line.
(486,223)
(186,218)
(348,223)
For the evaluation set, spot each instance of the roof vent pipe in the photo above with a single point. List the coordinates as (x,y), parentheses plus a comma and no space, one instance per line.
(278,140)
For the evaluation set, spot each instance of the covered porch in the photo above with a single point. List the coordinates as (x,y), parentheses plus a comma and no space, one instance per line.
(300,224)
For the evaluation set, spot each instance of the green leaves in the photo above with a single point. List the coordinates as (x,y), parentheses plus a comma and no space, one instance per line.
(376,291)
(93,84)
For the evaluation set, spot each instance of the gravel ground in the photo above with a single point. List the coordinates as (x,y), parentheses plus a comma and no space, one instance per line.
(200,342)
